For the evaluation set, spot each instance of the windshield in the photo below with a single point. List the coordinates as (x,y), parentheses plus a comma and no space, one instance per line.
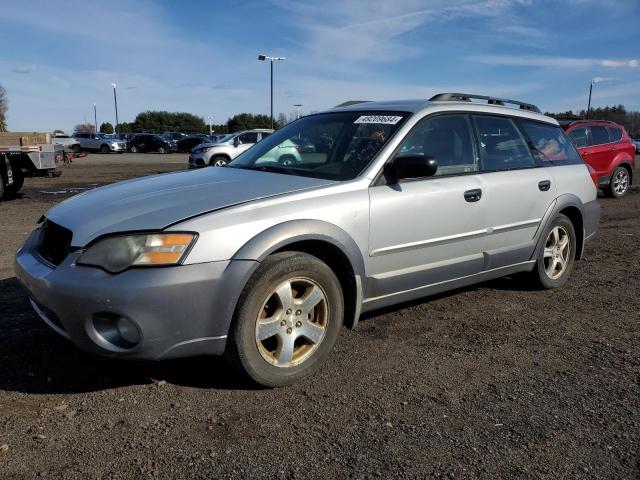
(337,146)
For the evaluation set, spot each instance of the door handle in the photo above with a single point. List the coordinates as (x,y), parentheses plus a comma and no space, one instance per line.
(544,185)
(473,195)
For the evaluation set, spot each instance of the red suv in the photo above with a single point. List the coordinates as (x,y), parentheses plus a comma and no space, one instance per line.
(607,148)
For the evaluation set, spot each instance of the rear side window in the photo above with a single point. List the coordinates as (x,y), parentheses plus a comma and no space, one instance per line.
(599,135)
(615,134)
(580,137)
(446,138)
(501,145)
(549,144)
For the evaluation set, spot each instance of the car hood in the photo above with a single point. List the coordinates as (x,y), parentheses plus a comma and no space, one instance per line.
(155,202)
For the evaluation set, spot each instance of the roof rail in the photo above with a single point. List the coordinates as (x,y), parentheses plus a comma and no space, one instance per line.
(466,97)
(351,102)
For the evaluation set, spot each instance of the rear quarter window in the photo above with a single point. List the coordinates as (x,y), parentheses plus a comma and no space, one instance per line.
(615,134)
(549,144)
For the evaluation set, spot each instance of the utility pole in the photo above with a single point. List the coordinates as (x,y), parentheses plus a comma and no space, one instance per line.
(95,117)
(210,117)
(297,105)
(263,58)
(115,102)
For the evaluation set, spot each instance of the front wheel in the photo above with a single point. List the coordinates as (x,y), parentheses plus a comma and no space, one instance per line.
(133,149)
(18,181)
(162,150)
(76,148)
(105,149)
(287,321)
(219,161)
(556,256)
(619,183)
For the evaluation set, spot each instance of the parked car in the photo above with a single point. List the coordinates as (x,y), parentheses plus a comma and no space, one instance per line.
(70,144)
(221,153)
(146,142)
(186,144)
(607,148)
(636,142)
(265,262)
(173,136)
(100,142)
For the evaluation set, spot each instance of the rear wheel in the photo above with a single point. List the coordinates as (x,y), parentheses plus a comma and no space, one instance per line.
(133,149)
(76,148)
(18,181)
(104,149)
(556,256)
(619,183)
(287,320)
(162,150)
(219,161)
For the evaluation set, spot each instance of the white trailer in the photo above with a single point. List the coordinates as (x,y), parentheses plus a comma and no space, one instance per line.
(16,162)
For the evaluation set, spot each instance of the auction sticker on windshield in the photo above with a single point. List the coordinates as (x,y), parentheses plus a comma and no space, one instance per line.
(379,119)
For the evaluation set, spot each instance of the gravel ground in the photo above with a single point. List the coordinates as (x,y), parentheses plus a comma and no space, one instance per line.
(493,381)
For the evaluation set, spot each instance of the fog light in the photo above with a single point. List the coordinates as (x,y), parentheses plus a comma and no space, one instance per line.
(116,330)
(128,331)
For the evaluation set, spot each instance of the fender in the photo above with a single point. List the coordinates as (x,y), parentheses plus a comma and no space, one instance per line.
(560,203)
(278,236)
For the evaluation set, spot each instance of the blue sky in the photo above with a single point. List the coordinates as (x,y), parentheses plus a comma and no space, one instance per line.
(200,57)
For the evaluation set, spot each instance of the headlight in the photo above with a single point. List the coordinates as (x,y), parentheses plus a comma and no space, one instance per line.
(118,253)
(202,150)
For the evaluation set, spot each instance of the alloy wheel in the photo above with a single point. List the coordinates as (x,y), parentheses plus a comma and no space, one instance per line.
(292,322)
(557,251)
(621,182)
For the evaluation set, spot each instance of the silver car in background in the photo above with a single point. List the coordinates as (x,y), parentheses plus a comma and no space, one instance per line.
(225,150)
(100,142)
(265,261)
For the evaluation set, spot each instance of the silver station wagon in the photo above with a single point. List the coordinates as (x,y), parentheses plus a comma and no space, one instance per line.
(264,261)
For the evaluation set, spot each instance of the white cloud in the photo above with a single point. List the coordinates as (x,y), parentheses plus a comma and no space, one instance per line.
(547,61)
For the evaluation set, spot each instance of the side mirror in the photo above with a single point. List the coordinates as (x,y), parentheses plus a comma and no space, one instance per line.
(236,142)
(412,166)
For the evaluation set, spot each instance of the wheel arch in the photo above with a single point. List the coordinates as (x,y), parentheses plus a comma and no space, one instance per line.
(214,155)
(324,240)
(572,207)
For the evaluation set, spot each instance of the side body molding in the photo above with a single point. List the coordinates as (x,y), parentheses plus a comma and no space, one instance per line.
(279,236)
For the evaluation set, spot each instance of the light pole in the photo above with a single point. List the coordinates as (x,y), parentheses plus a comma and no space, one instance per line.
(591,84)
(95,117)
(115,102)
(210,117)
(297,105)
(263,58)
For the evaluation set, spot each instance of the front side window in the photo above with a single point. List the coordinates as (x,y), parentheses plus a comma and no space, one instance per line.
(549,144)
(580,137)
(615,134)
(448,140)
(501,145)
(336,146)
(599,135)
(251,137)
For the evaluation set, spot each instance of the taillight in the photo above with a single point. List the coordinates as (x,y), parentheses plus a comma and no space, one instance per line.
(594,175)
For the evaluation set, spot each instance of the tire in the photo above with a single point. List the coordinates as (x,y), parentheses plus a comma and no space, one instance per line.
(288,160)
(619,183)
(76,148)
(133,149)
(218,161)
(555,258)
(104,149)
(12,190)
(267,361)
(162,150)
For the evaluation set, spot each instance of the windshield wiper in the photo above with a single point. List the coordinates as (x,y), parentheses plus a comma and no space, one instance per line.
(272,169)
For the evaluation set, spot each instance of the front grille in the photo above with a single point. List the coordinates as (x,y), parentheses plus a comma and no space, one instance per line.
(55,244)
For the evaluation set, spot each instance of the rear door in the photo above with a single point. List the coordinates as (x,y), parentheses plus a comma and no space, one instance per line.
(600,152)
(518,192)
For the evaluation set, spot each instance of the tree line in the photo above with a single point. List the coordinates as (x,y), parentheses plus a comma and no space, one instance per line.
(160,121)
(618,114)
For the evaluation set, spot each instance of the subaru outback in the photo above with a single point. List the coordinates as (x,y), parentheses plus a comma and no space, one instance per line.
(264,261)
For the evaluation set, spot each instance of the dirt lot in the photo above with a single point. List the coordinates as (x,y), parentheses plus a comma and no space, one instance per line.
(493,381)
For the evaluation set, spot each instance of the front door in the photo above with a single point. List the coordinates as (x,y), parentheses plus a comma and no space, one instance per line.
(427,231)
